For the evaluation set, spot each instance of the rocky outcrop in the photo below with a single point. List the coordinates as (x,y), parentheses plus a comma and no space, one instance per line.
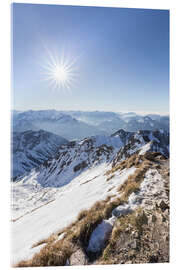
(78,258)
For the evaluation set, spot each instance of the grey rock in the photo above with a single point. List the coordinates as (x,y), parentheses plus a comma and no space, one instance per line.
(78,258)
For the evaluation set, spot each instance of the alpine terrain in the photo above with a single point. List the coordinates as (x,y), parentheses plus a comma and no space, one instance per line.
(32,148)
(103,199)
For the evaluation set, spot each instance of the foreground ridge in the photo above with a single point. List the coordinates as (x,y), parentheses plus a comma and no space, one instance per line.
(130,226)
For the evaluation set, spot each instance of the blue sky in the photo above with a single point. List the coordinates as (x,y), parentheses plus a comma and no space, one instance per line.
(122,57)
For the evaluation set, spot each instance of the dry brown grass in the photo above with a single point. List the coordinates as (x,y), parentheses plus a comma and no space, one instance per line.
(77,233)
(50,239)
(111,205)
(51,255)
(133,182)
(130,188)
(82,214)
(134,160)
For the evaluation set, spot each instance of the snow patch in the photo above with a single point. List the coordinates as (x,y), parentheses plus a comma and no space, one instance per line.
(100,235)
(121,210)
(145,148)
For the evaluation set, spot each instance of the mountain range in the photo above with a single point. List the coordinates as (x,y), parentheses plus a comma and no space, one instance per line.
(78,125)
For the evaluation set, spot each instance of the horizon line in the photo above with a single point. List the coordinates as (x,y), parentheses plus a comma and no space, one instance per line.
(130,111)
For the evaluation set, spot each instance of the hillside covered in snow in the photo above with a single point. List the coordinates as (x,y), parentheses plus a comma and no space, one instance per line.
(99,180)
(32,148)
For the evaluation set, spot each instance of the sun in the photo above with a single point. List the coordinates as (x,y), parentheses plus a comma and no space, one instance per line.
(59,71)
(60,74)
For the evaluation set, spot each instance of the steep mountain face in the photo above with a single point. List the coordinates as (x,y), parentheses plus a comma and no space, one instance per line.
(54,121)
(123,135)
(77,156)
(32,148)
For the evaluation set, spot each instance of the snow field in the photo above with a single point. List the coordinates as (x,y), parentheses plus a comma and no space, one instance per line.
(39,223)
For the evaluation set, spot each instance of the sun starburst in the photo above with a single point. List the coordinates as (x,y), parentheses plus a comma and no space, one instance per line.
(59,70)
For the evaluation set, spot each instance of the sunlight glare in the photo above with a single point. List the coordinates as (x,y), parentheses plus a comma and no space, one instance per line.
(59,71)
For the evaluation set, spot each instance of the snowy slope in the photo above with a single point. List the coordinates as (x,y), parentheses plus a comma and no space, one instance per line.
(81,193)
(77,156)
(32,148)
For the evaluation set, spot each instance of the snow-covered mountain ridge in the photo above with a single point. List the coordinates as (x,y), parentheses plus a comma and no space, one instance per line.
(77,156)
(144,141)
(32,148)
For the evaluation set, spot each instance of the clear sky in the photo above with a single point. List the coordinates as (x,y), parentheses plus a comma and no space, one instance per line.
(122,57)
